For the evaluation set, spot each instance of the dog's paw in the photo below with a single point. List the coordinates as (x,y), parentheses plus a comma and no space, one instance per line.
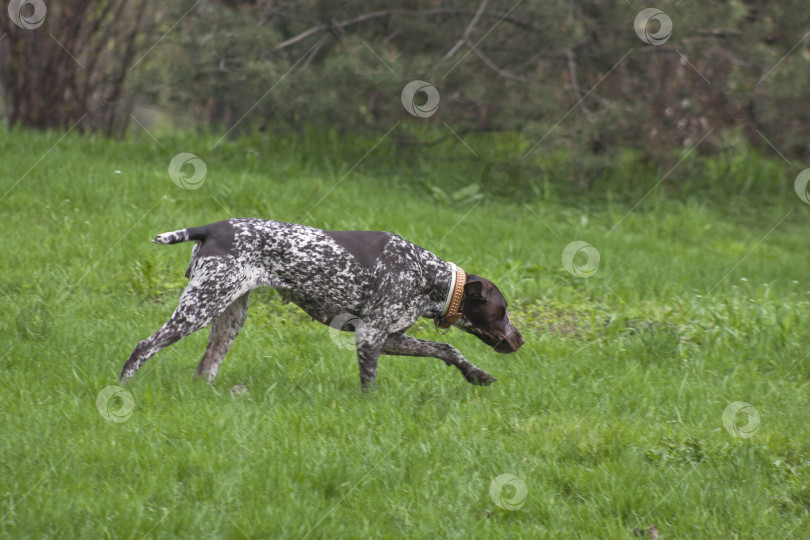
(479,377)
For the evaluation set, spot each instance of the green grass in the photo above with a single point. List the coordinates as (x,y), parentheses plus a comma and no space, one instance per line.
(611,413)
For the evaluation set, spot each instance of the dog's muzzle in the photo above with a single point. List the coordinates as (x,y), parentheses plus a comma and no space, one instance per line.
(505,343)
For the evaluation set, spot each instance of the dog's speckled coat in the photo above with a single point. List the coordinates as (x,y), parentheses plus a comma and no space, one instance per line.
(378,277)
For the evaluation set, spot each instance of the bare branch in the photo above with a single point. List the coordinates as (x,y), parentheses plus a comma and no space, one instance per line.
(385,13)
(337,24)
(491,65)
(299,37)
(572,74)
(465,36)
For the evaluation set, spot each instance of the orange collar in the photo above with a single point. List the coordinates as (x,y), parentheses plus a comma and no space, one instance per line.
(453,304)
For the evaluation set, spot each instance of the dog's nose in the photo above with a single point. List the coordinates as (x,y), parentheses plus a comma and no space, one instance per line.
(517,339)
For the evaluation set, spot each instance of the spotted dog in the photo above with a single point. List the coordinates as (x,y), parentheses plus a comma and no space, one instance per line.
(376,282)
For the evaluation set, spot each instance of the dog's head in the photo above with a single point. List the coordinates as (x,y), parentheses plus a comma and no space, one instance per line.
(483,314)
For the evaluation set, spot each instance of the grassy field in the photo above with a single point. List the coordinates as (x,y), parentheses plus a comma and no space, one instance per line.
(611,416)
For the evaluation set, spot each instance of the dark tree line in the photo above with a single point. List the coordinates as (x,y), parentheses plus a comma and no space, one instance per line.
(571,74)
(65,64)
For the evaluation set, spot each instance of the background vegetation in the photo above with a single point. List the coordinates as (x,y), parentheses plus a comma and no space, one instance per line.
(738,69)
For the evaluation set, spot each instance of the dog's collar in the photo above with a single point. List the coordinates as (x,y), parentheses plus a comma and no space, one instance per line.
(450,312)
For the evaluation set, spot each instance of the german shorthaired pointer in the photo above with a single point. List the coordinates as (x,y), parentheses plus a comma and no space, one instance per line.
(380,281)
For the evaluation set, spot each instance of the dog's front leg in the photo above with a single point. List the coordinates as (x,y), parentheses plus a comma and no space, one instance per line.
(402,345)
(369,341)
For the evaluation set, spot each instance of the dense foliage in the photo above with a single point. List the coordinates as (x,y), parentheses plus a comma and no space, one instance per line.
(571,75)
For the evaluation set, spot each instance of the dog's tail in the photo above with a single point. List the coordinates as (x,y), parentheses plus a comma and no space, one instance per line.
(196,234)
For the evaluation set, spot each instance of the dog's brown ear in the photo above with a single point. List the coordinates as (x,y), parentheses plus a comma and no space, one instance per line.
(475,290)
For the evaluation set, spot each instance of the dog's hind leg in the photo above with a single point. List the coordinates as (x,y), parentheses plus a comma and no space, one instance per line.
(214,285)
(224,330)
